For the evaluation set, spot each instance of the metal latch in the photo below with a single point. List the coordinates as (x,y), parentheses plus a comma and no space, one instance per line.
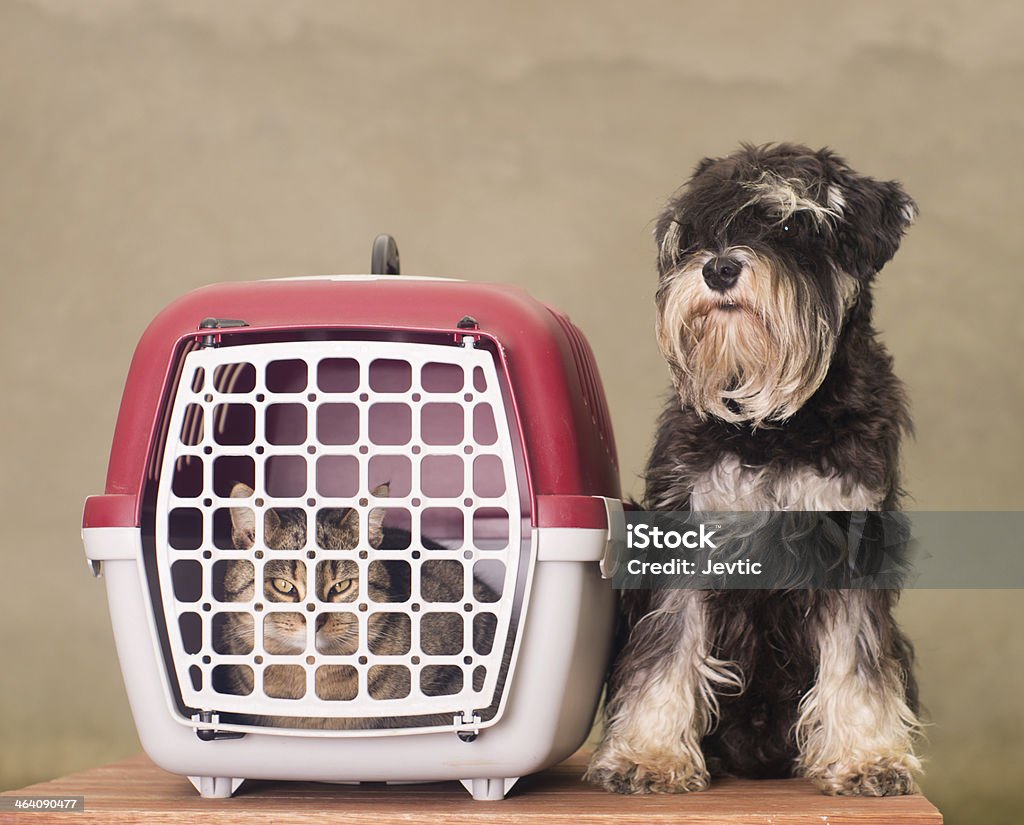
(208,717)
(467,731)
(213,340)
(467,323)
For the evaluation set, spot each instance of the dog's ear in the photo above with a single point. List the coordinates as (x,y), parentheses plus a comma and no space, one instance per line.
(875,214)
(703,166)
(666,236)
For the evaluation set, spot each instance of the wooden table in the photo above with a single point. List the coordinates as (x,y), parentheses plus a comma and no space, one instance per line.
(137,791)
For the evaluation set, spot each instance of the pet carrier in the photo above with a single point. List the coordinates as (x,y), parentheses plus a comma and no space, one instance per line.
(353,529)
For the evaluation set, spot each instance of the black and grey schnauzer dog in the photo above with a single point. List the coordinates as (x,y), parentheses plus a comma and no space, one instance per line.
(784,400)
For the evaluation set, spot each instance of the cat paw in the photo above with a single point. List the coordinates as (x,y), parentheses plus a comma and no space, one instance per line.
(651,776)
(876,777)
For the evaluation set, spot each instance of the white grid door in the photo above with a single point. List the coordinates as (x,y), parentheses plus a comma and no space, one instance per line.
(409,441)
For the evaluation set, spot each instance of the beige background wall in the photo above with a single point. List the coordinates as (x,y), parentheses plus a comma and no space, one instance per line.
(151,147)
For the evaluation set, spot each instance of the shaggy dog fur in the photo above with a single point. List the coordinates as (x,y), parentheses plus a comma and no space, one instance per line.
(784,400)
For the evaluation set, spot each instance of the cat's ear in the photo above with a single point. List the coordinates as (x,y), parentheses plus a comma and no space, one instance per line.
(337,528)
(272,523)
(348,525)
(375,520)
(241,490)
(375,527)
(243,519)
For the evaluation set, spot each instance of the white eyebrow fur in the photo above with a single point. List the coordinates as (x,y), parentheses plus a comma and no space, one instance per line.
(786,196)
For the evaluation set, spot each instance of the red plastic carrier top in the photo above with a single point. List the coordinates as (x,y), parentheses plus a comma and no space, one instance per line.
(556,392)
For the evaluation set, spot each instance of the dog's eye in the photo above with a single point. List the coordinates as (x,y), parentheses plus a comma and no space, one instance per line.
(790,230)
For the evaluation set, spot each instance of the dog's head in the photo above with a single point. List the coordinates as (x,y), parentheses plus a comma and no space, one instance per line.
(762,256)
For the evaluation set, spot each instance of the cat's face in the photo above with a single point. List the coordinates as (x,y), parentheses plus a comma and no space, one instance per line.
(337,587)
(285,580)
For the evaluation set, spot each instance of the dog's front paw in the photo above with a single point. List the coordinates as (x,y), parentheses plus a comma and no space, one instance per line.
(663,774)
(888,776)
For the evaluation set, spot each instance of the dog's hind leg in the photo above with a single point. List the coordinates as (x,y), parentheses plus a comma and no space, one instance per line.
(857,725)
(662,701)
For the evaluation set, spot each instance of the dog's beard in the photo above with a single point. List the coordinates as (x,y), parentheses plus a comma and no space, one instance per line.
(756,353)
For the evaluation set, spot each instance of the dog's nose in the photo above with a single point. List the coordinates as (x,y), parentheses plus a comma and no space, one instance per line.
(721,273)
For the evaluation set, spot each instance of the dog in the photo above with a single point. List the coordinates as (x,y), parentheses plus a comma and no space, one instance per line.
(784,400)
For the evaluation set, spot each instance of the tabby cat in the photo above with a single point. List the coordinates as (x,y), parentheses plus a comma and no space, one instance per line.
(337,632)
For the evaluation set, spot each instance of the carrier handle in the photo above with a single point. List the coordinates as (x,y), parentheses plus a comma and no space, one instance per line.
(384,260)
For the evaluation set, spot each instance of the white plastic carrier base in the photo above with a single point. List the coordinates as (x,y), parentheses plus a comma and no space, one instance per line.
(563,651)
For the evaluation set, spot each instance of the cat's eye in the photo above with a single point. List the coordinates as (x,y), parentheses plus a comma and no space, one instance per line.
(340,588)
(283,586)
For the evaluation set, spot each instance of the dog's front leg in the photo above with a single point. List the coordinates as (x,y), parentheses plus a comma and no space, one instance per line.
(856,729)
(661,701)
